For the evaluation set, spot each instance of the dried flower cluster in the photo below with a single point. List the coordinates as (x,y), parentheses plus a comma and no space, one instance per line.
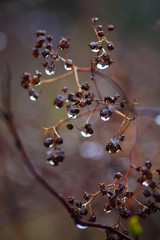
(86,101)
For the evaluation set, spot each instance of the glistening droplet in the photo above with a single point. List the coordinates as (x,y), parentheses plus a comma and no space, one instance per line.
(102,65)
(85,134)
(67,68)
(51,162)
(107,211)
(145,183)
(49,72)
(95,50)
(81,227)
(72,115)
(105,118)
(33,98)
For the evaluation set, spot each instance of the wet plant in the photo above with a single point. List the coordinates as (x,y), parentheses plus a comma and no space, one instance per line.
(87,101)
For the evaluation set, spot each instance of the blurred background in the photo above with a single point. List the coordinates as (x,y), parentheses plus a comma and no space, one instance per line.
(27,210)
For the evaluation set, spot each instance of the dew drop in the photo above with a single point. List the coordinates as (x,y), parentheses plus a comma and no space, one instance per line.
(81,227)
(84,134)
(49,72)
(33,98)
(51,162)
(67,68)
(72,115)
(107,211)
(95,50)
(105,118)
(145,183)
(102,65)
(117,150)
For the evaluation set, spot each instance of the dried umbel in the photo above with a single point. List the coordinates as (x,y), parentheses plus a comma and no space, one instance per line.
(86,100)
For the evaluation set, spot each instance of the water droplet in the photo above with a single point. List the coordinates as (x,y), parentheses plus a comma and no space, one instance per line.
(105,118)
(67,68)
(81,227)
(72,115)
(85,134)
(107,211)
(157,119)
(145,183)
(51,162)
(49,72)
(33,98)
(95,50)
(102,65)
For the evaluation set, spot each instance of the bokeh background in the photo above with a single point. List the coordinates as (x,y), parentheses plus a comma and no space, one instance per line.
(27,211)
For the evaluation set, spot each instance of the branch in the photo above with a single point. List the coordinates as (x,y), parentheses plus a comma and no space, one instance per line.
(7,114)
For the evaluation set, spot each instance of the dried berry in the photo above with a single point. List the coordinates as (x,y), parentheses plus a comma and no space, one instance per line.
(85,86)
(64,43)
(59,141)
(71,200)
(33,94)
(25,80)
(110,27)
(92,218)
(48,142)
(70,126)
(113,146)
(110,46)
(36,53)
(118,175)
(59,101)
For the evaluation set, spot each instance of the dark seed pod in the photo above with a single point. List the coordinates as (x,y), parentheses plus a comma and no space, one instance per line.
(71,200)
(59,141)
(85,86)
(59,101)
(35,52)
(48,142)
(92,218)
(70,126)
(25,80)
(110,46)
(33,94)
(64,43)
(110,27)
